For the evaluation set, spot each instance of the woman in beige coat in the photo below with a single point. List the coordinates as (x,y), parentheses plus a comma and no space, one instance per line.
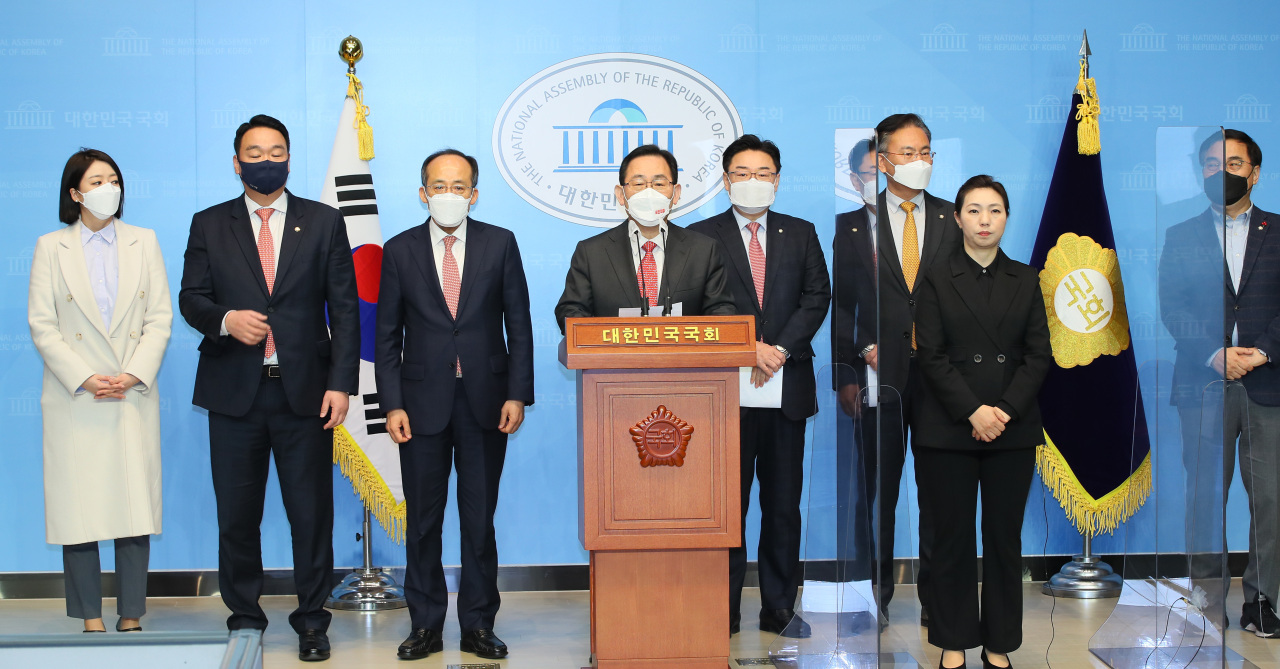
(100,316)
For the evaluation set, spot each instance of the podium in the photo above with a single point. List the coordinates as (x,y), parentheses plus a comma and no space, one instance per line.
(659,502)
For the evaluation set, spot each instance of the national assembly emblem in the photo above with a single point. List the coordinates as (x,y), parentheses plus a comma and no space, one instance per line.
(1084,301)
(661,438)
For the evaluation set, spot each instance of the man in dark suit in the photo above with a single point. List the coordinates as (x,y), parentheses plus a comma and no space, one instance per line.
(779,275)
(913,229)
(270,283)
(646,261)
(443,367)
(1240,349)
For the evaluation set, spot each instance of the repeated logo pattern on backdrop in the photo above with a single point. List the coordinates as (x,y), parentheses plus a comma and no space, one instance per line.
(561,135)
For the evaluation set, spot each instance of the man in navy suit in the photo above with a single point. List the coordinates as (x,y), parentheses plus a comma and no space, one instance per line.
(443,367)
(1242,349)
(270,283)
(778,274)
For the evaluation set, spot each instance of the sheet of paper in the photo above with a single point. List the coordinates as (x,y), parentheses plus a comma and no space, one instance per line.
(873,387)
(677,309)
(768,396)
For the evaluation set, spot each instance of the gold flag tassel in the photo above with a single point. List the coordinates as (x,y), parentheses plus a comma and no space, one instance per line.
(365,133)
(368,485)
(1088,140)
(1092,516)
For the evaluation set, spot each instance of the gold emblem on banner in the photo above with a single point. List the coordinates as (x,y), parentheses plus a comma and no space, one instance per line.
(1084,301)
(661,439)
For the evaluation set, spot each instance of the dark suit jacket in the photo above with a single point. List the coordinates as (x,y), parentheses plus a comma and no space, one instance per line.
(1192,266)
(315,278)
(897,303)
(602,276)
(854,314)
(973,351)
(797,291)
(417,341)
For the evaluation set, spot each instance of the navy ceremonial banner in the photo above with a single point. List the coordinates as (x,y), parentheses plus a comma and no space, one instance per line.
(1096,455)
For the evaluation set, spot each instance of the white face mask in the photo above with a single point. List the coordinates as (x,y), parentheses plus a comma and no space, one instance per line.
(914,175)
(103,201)
(447,209)
(751,196)
(868,190)
(648,206)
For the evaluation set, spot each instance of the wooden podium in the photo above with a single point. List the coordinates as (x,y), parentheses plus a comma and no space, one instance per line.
(658,497)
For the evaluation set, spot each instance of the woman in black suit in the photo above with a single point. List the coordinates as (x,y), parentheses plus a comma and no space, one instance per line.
(983,350)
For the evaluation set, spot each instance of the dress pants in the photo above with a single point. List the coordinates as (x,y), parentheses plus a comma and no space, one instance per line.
(425,463)
(240,451)
(82,573)
(950,480)
(772,448)
(1211,431)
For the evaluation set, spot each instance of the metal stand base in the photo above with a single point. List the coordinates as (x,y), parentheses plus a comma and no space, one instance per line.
(1085,577)
(367,588)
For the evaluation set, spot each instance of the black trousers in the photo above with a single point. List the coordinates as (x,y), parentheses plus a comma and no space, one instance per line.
(425,463)
(82,575)
(871,455)
(949,482)
(772,449)
(240,451)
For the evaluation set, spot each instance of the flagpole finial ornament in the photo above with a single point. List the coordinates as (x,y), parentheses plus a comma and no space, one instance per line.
(350,51)
(1088,138)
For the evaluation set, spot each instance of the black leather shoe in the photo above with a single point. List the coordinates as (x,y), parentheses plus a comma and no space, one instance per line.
(421,643)
(784,622)
(135,628)
(735,624)
(484,643)
(986,664)
(313,646)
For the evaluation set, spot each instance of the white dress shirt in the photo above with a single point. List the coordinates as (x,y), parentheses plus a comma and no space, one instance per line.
(101,258)
(637,239)
(898,220)
(276,225)
(743,222)
(459,247)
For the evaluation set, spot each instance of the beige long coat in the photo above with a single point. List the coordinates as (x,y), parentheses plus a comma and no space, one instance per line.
(101,457)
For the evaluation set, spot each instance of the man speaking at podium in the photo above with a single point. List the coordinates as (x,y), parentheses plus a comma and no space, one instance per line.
(780,277)
(646,261)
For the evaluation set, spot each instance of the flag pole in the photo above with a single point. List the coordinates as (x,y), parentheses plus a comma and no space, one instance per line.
(1086,576)
(366,588)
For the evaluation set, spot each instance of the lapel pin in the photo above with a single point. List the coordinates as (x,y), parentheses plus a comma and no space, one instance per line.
(297,229)
(855,229)
(779,230)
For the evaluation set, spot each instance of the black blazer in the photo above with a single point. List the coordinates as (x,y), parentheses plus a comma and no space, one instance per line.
(1192,266)
(974,351)
(797,292)
(853,297)
(418,341)
(315,279)
(602,276)
(897,303)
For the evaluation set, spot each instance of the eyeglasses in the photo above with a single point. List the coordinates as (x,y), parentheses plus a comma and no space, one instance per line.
(657,183)
(456,189)
(1233,165)
(743,175)
(912,155)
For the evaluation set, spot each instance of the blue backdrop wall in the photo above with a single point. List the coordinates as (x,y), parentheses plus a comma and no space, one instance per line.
(162,86)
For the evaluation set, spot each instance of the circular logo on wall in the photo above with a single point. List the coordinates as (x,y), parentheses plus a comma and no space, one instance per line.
(559,138)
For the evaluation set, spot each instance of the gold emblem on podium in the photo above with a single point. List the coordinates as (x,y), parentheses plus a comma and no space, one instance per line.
(661,439)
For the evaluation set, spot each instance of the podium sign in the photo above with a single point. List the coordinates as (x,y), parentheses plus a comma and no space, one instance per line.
(659,490)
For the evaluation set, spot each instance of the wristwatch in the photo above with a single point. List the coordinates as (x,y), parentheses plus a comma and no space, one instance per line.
(783,351)
(863,353)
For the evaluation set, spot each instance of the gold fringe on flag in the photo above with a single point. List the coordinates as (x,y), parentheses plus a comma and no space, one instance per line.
(365,133)
(1088,140)
(1092,516)
(368,485)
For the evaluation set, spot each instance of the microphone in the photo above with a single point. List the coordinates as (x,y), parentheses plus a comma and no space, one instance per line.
(644,289)
(666,306)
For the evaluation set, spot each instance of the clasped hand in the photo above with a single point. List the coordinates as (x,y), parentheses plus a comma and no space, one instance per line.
(109,387)
(768,361)
(1236,361)
(988,422)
